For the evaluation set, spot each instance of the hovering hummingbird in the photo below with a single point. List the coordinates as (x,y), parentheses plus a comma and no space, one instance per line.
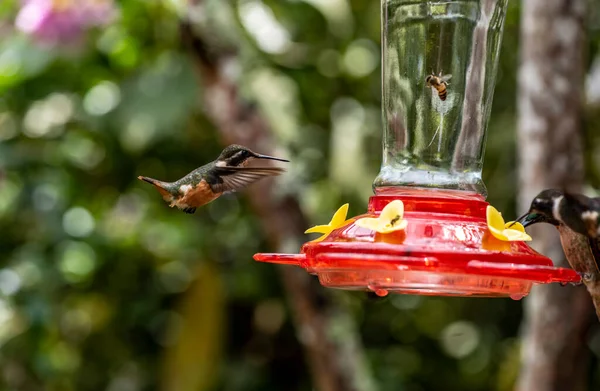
(207,183)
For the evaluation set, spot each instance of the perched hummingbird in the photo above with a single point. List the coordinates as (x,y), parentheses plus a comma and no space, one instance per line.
(576,217)
(576,211)
(207,183)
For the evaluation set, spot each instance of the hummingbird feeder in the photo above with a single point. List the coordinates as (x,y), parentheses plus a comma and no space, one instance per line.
(441,237)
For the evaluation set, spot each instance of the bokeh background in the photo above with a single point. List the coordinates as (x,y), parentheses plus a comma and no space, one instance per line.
(103,287)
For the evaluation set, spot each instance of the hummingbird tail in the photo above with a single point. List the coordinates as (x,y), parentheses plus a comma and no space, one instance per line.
(149,180)
(160,186)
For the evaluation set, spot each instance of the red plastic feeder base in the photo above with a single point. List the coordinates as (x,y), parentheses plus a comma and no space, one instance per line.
(446,250)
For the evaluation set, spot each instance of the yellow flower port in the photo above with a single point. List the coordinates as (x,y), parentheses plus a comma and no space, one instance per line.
(337,221)
(390,220)
(501,230)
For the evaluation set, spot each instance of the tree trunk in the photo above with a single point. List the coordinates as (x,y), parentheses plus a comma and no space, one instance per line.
(551,78)
(326,331)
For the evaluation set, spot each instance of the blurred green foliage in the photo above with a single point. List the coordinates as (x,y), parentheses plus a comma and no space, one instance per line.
(102,286)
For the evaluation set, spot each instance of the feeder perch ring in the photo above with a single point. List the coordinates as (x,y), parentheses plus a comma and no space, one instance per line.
(445,250)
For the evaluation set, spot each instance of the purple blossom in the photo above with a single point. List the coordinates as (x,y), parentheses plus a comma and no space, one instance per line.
(57,21)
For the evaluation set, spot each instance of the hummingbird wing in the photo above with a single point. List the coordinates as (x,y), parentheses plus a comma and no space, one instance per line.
(594,217)
(595,247)
(582,214)
(235,178)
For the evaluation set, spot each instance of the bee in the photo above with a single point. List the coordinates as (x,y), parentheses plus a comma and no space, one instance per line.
(439,83)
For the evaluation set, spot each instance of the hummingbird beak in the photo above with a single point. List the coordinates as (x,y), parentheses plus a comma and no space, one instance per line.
(259,156)
(520,219)
(525,219)
(531,218)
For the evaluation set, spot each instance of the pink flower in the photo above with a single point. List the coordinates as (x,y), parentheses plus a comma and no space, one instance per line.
(58,21)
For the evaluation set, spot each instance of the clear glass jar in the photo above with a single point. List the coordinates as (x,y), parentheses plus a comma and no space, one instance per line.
(434,125)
